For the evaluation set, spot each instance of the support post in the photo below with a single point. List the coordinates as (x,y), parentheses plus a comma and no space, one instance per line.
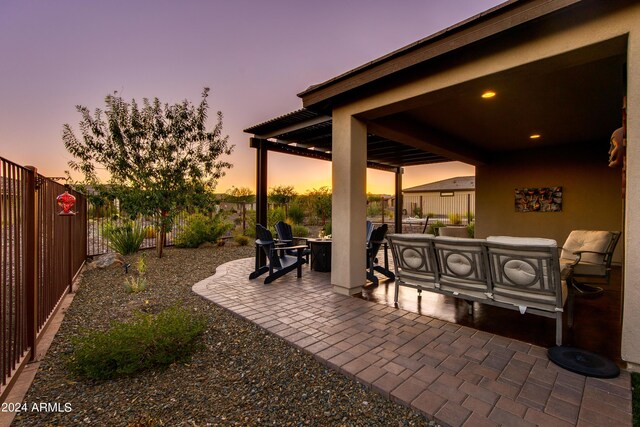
(399,201)
(31,254)
(349,203)
(261,187)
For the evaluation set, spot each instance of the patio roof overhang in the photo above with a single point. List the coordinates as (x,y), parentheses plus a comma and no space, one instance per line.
(307,133)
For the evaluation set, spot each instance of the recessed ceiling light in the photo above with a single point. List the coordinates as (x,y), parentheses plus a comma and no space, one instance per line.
(534,136)
(488,94)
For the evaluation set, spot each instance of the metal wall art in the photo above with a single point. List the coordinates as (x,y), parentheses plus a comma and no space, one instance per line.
(543,199)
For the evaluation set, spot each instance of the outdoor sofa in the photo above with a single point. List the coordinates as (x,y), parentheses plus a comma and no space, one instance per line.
(511,272)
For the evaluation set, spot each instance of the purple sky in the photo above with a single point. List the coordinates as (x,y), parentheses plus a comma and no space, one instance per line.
(254,55)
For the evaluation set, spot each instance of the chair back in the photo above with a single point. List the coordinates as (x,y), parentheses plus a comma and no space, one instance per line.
(375,241)
(284,230)
(369,231)
(462,266)
(525,272)
(414,259)
(264,239)
(587,240)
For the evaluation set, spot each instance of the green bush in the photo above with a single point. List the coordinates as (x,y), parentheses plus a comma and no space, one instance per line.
(241,240)
(147,341)
(417,211)
(374,209)
(300,231)
(327,228)
(124,238)
(251,224)
(471,229)
(296,214)
(200,228)
(273,216)
(433,228)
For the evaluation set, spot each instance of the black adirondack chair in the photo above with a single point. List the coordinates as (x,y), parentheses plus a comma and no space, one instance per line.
(286,239)
(373,246)
(279,263)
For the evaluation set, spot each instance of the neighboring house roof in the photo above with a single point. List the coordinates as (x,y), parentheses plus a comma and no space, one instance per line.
(460,183)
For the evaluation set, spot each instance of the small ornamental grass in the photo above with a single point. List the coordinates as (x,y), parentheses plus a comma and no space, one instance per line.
(135,284)
(147,341)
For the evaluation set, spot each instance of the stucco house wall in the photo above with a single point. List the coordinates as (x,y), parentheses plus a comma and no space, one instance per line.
(592,196)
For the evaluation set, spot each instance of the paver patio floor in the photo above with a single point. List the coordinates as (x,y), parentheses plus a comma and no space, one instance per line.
(454,374)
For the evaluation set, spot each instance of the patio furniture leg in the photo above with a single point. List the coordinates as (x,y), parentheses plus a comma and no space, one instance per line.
(559,328)
(469,307)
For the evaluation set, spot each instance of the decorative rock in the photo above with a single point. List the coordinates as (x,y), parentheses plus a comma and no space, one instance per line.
(107,260)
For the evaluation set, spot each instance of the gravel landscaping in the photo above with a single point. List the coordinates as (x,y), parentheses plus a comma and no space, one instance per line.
(241,376)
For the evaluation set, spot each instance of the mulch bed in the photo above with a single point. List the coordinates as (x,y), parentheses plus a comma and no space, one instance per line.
(242,376)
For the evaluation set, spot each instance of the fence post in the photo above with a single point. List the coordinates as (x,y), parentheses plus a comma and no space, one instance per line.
(31,256)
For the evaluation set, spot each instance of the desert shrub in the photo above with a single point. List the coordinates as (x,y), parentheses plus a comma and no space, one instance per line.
(251,224)
(300,231)
(417,211)
(374,209)
(273,216)
(124,238)
(296,214)
(471,229)
(242,240)
(135,284)
(200,228)
(454,218)
(327,228)
(470,216)
(147,341)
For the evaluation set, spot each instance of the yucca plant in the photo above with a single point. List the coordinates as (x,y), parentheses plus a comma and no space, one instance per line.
(124,238)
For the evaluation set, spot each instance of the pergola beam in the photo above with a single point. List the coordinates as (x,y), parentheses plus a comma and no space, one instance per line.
(416,135)
(305,152)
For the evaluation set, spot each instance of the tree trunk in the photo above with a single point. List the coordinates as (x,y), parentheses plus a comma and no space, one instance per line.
(244,219)
(160,240)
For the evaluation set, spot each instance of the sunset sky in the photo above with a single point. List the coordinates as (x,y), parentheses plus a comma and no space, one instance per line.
(255,55)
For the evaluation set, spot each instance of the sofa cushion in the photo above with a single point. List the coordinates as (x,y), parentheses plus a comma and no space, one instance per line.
(522,241)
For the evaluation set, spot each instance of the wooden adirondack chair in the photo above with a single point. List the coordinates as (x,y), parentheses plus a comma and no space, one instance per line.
(376,239)
(279,262)
(286,238)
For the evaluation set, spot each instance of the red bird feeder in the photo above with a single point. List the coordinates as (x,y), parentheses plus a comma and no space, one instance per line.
(66,202)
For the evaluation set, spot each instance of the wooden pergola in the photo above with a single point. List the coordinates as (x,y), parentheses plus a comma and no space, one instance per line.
(309,134)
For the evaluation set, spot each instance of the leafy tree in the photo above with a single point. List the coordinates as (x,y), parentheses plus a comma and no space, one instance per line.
(240,196)
(161,158)
(282,195)
(320,203)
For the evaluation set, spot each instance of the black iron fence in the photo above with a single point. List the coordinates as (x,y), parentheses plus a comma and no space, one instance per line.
(40,254)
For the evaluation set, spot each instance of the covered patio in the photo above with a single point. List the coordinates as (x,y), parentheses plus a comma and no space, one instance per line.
(559,70)
(457,375)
